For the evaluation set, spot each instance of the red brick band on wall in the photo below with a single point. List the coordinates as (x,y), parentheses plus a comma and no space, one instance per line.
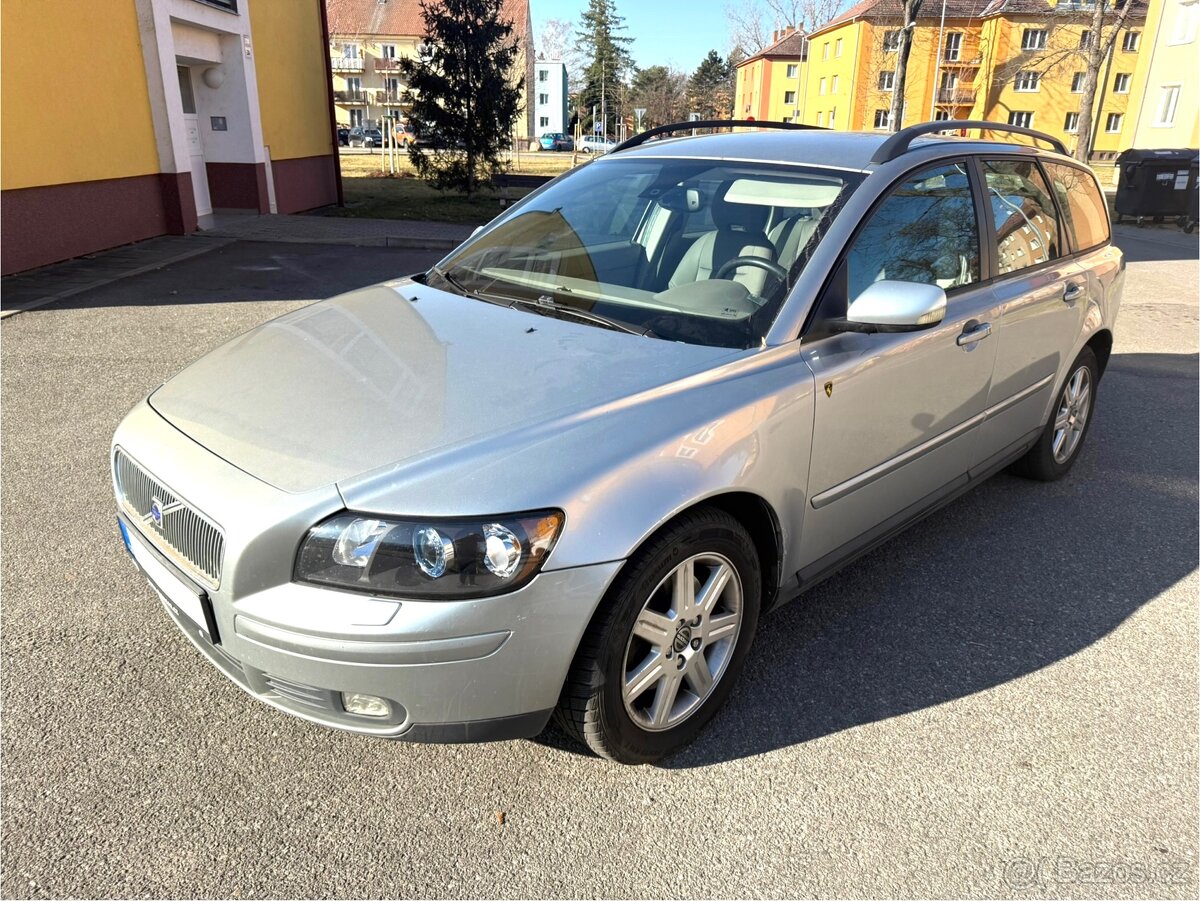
(238,186)
(305,183)
(47,224)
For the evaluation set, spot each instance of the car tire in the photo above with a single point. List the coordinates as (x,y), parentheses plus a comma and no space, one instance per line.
(639,630)
(1058,446)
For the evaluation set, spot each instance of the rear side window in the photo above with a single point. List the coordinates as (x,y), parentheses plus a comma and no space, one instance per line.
(925,231)
(1024,214)
(1082,205)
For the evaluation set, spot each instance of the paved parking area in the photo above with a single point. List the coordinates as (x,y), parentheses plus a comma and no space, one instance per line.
(1001,702)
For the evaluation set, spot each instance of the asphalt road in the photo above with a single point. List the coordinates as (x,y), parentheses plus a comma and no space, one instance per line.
(1002,701)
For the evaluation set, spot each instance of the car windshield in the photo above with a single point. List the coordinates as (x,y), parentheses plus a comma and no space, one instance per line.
(700,251)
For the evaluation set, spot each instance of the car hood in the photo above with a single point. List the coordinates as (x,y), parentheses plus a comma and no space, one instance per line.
(402,371)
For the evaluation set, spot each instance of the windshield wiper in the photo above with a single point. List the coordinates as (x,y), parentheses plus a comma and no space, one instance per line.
(462,289)
(548,307)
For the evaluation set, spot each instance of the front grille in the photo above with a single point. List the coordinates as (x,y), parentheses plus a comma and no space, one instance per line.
(186,536)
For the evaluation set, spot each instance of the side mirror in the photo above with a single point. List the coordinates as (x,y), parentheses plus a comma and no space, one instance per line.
(896,307)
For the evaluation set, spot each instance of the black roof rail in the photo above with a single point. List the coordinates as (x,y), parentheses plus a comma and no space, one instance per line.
(649,133)
(898,143)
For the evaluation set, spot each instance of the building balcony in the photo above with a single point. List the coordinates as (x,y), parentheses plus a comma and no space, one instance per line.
(973,61)
(963,95)
(350,98)
(390,98)
(346,63)
(387,64)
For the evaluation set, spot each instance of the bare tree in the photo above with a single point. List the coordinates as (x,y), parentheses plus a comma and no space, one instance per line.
(556,41)
(752,22)
(912,9)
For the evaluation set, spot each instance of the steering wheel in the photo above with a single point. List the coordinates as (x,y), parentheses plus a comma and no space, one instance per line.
(761,262)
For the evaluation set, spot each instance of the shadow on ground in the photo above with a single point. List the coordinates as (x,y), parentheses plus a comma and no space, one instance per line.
(1009,579)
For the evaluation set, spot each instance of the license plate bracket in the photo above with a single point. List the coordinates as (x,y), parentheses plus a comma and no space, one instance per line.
(190,604)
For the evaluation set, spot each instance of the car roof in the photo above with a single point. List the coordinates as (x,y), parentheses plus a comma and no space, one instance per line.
(818,147)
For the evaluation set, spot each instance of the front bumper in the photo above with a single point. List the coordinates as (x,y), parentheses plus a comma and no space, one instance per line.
(468,670)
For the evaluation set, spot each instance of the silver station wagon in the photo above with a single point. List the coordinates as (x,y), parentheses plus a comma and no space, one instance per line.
(564,472)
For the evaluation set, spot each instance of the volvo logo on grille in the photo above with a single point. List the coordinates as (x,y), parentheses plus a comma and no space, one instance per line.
(159,510)
(682,639)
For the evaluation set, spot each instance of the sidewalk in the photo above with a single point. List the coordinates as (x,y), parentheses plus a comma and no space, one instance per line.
(38,287)
(405,233)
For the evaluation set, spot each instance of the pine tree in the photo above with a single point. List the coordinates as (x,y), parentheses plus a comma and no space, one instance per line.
(462,94)
(606,59)
(708,86)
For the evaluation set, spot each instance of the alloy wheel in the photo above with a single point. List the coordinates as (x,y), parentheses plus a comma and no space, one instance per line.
(682,642)
(1071,418)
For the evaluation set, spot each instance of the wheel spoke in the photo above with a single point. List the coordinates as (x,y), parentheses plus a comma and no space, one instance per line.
(649,672)
(1081,401)
(707,599)
(698,676)
(664,699)
(722,627)
(1064,416)
(654,627)
(683,589)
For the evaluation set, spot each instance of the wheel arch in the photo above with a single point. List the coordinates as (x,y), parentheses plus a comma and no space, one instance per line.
(1101,344)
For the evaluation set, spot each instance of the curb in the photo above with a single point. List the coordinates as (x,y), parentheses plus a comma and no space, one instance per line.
(101,282)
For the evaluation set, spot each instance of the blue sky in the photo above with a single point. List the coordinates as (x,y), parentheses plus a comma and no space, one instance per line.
(665,32)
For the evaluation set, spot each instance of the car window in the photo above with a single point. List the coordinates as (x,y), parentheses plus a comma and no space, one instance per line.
(1024,215)
(1083,209)
(925,231)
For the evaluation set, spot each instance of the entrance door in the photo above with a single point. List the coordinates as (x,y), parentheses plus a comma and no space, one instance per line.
(195,144)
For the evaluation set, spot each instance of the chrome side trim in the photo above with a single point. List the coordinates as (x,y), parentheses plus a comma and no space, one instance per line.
(837,492)
(1015,399)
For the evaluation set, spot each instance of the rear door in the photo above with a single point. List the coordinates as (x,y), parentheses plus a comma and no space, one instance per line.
(1041,294)
(897,414)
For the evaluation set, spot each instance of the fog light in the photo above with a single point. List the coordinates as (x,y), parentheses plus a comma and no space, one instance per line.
(364,705)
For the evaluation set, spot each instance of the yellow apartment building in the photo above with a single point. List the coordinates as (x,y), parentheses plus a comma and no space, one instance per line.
(186,107)
(770,84)
(1168,115)
(369,38)
(1015,61)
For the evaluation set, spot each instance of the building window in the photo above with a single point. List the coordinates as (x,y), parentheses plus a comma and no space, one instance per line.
(1085,39)
(1131,40)
(543,122)
(820,119)
(821,87)
(1077,83)
(1021,118)
(792,69)
(825,51)
(891,41)
(1027,82)
(396,113)
(1121,83)
(881,118)
(887,81)
(543,75)
(832,116)
(388,51)
(789,97)
(356,117)
(1033,39)
(185,89)
(787,119)
(349,51)
(1113,123)
(1168,102)
(227,5)
(354,86)
(1186,20)
(833,85)
(941,116)
(837,48)
(953,46)
(1071,123)
(543,99)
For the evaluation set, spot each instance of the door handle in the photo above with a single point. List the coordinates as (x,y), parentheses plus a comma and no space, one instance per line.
(974,332)
(1072,292)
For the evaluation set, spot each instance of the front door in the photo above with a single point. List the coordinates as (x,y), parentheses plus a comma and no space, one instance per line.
(195,143)
(897,414)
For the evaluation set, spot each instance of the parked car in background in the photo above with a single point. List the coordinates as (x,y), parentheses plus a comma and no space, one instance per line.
(563,472)
(556,140)
(596,144)
(343,136)
(404,136)
(367,136)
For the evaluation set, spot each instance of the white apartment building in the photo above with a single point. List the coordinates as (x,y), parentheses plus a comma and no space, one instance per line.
(549,97)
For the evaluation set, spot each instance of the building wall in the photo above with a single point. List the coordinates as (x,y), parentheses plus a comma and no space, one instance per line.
(762,86)
(1173,61)
(554,87)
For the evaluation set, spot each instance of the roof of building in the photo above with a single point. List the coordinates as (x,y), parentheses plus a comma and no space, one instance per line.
(847,150)
(399,18)
(970,9)
(789,45)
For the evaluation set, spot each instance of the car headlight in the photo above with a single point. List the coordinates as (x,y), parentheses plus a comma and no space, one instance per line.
(460,558)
